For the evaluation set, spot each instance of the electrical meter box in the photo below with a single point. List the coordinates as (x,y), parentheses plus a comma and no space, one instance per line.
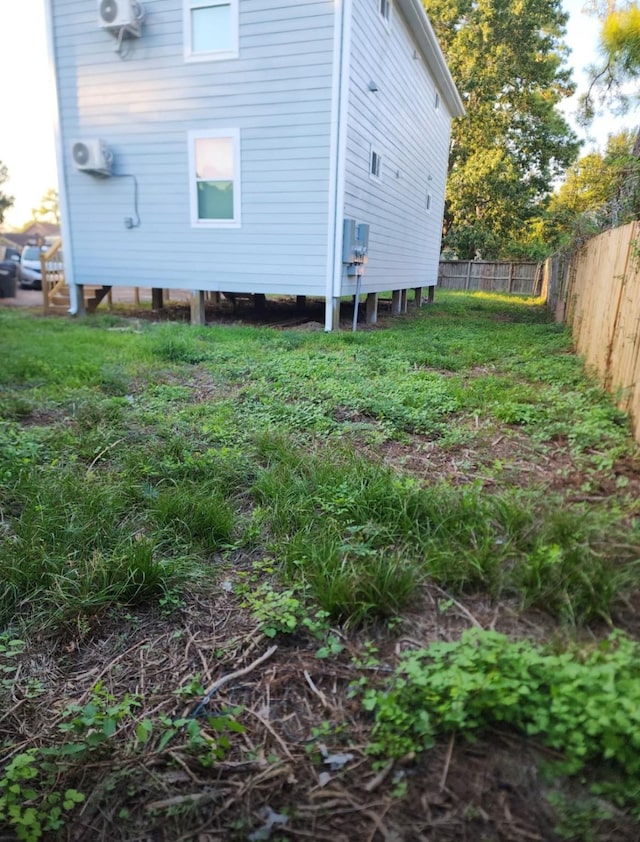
(355,242)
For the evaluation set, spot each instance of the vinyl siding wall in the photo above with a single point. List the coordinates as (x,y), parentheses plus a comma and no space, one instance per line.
(277,93)
(402,124)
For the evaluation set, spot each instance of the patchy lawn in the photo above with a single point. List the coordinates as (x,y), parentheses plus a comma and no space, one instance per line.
(267,583)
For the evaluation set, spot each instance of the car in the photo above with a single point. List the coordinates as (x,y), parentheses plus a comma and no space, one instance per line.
(30,269)
(9,264)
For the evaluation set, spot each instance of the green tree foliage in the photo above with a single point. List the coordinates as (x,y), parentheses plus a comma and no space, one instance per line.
(507,59)
(620,48)
(621,40)
(5,201)
(49,208)
(601,190)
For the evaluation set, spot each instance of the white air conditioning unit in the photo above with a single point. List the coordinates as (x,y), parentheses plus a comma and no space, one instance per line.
(92,156)
(120,16)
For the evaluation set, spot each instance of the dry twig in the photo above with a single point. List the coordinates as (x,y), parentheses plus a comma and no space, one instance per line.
(318,693)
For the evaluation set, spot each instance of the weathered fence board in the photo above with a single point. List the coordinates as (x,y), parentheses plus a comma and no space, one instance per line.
(597,292)
(520,277)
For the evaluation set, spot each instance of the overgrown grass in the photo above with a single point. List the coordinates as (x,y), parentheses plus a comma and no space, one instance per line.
(131,453)
(75,545)
(362,538)
(330,477)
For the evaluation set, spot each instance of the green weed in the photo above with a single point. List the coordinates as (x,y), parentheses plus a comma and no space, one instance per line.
(29,804)
(584,703)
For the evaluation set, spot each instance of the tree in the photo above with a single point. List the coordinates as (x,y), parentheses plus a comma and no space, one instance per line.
(620,48)
(5,201)
(621,40)
(49,208)
(507,59)
(602,189)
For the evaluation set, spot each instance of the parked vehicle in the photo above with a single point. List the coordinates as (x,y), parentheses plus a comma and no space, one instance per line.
(30,270)
(9,266)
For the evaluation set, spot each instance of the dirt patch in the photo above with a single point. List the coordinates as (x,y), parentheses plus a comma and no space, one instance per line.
(492,454)
(300,769)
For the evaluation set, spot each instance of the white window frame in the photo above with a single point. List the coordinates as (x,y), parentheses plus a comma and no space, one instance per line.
(196,222)
(436,101)
(384,10)
(428,202)
(377,174)
(215,55)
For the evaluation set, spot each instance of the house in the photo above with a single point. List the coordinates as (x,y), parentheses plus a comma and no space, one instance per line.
(246,145)
(37,233)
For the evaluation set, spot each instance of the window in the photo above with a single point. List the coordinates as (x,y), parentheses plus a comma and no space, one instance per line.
(32,253)
(436,101)
(214,172)
(210,29)
(384,7)
(375,164)
(427,202)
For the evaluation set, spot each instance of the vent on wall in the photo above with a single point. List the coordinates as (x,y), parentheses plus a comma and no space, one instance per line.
(120,16)
(92,156)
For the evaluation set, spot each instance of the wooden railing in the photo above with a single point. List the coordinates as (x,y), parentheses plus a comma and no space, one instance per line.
(55,292)
(520,277)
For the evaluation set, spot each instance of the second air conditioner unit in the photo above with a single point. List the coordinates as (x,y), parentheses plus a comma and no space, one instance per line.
(92,156)
(120,16)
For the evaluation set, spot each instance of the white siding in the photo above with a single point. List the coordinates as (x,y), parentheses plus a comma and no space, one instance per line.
(143,104)
(400,122)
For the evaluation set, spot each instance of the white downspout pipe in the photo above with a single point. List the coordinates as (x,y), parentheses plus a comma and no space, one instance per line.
(338,141)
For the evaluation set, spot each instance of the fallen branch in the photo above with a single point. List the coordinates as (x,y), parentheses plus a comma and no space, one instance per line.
(374,783)
(273,733)
(227,678)
(193,799)
(318,693)
(459,606)
(447,763)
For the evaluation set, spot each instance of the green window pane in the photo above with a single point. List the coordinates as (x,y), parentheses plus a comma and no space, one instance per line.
(215,200)
(211,29)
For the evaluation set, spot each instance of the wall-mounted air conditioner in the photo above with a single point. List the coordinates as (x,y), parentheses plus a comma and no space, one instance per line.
(120,16)
(92,156)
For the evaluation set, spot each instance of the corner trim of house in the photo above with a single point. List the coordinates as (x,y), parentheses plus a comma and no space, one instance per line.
(338,147)
(65,224)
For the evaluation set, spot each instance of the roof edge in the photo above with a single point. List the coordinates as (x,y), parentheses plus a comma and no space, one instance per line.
(421,27)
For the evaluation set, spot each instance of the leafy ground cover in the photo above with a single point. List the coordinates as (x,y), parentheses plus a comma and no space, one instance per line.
(263,582)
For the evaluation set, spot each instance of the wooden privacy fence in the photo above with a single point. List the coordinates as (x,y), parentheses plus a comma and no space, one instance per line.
(597,292)
(521,277)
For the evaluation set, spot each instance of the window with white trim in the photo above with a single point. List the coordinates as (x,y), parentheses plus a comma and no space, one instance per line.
(375,164)
(436,101)
(427,202)
(214,175)
(210,29)
(384,7)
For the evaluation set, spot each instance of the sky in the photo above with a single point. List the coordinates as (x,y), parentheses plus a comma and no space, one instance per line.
(27,145)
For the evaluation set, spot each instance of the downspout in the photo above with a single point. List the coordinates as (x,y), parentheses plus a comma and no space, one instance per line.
(338,141)
(65,225)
